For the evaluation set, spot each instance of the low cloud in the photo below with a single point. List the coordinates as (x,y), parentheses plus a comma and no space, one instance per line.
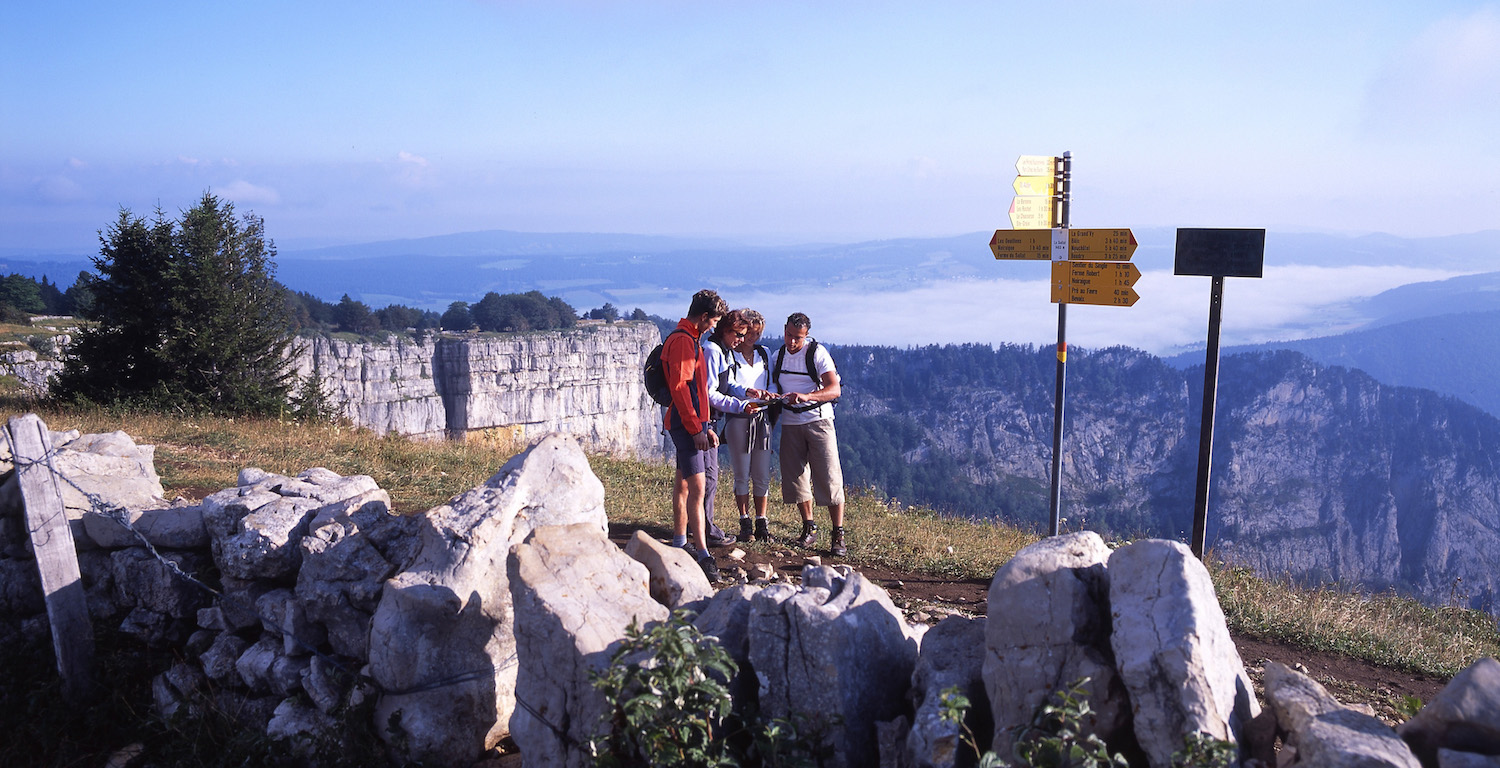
(1172,315)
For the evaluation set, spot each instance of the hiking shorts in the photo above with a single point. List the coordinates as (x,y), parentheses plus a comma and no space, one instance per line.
(810,464)
(690,460)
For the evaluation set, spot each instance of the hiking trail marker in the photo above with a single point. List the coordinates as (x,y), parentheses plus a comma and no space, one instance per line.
(1089,266)
(1215,253)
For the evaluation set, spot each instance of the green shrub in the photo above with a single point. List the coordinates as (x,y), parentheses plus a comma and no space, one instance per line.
(668,705)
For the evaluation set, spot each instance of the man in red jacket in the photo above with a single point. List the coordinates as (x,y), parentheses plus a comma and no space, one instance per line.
(688,422)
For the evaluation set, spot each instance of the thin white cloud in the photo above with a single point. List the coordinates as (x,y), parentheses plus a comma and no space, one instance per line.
(407,157)
(245,193)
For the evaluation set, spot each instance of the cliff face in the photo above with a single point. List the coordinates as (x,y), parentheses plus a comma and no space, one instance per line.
(583,381)
(1322,474)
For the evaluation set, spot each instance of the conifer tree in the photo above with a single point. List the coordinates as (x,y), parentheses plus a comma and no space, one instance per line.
(189,316)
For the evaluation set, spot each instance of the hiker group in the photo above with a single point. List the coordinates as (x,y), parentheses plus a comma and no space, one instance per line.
(711,370)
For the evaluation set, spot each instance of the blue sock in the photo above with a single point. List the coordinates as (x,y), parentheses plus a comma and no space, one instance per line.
(679,541)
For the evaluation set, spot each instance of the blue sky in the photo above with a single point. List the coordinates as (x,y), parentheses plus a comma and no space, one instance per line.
(350,122)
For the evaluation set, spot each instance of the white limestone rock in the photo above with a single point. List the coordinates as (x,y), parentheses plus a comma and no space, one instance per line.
(835,653)
(1326,733)
(575,594)
(1049,627)
(676,579)
(449,615)
(1464,716)
(952,655)
(1173,650)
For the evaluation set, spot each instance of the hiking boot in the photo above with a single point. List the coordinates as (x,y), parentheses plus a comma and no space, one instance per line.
(762,531)
(721,541)
(747,532)
(710,568)
(809,535)
(837,549)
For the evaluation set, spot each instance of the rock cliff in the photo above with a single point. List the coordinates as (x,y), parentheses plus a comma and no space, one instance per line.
(1321,474)
(583,381)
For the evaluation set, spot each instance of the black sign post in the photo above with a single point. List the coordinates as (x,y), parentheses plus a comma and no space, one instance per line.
(1215,253)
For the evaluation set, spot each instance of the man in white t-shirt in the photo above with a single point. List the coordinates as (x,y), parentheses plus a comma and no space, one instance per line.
(810,469)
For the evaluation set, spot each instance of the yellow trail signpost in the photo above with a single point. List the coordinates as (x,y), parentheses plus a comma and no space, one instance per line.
(1089,266)
(1059,244)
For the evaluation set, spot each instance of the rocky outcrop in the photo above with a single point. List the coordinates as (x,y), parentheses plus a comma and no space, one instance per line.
(833,655)
(584,382)
(442,640)
(1324,733)
(1323,474)
(1173,651)
(1050,627)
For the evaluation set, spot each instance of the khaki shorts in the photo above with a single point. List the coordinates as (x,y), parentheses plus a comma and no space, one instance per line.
(810,464)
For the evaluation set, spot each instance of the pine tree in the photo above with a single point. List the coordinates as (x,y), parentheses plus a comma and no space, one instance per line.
(189,316)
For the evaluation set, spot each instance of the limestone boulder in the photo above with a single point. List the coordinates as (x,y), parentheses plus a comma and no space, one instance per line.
(952,655)
(836,655)
(345,565)
(676,579)
(256,528)
(1173,650)
(442,638)
(100,470)
(1463,717)
(1326,733)
(175,526)
(575,594)
(1049,626)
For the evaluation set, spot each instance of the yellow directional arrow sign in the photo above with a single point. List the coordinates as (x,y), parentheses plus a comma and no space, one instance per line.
(1036,165)
(1101,244)
(1031,212)
(1037,186)
(1094,282)
(1035,244)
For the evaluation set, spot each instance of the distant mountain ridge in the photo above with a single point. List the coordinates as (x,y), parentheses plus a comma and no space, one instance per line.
(1453,354)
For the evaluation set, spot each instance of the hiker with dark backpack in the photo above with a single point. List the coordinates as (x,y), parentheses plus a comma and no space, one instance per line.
(688,423)
(743,383)
(804,373)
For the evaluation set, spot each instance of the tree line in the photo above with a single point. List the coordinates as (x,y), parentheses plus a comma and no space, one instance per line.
(188,315)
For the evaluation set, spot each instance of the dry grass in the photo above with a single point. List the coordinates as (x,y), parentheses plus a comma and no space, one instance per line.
(1385,629)
(199,455)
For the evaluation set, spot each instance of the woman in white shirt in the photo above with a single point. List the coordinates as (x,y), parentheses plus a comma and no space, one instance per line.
(744,366)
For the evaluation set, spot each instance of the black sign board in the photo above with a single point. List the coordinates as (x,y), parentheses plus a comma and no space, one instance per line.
(1221,252)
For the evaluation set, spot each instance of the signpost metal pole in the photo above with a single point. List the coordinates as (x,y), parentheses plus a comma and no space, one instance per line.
(1065,178)
(1206,433)
(1215,253)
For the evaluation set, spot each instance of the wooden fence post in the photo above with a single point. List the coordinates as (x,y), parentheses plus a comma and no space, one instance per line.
(52,542)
